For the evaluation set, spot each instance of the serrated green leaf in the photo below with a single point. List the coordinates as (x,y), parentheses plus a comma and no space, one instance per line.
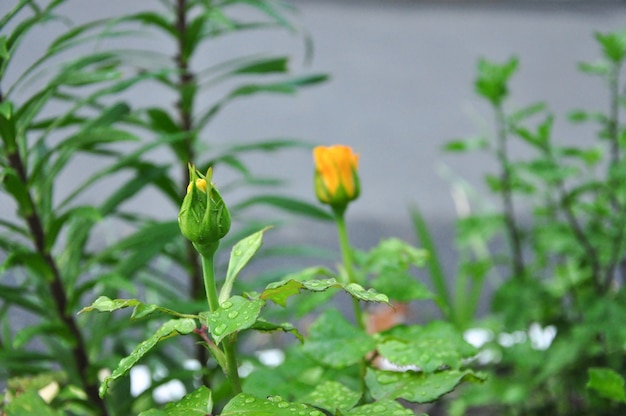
(613,45)
(492,80)
(429,347)
(196,403)
(246,405)
(416,386)
(383,407)
(235,314)
(335,342)
(332,396)
(369,295)
(169,329)
(279,292)
(141,310)
(240,255)
(30,403)
(265,326)
(607,383)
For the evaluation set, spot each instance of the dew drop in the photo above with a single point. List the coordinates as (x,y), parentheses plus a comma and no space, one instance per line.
(227,305)
(238,253)
(282,405)
(386,379)
(218,330)
(250,400)
(233,314)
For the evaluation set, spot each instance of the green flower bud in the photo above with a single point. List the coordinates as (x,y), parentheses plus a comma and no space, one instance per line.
(203,218)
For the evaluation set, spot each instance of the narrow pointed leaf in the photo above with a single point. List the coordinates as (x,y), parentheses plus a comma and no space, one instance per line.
(286,204)
(240,255)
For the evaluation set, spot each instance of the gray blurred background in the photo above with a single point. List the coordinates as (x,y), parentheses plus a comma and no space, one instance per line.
(401,86)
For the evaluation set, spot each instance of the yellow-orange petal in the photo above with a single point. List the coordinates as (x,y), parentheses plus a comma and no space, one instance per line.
(200,184)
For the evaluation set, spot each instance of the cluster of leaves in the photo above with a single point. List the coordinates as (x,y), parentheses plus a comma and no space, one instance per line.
(334,370)
(61,110)
(564,262)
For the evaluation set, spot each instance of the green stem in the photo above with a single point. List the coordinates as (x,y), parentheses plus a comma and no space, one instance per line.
(348,264)
(208,271)
(231,363)
(513,231)
(230,343)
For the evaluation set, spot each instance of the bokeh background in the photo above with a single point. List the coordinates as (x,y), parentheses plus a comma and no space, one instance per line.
(401,86)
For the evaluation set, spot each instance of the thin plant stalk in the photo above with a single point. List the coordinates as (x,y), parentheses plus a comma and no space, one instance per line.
(58,291)
(615,182)
(229,345)
(208,271)
(513,231)
(348,264)
(232,373)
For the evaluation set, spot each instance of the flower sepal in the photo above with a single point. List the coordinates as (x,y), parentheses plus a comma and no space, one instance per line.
(203,218)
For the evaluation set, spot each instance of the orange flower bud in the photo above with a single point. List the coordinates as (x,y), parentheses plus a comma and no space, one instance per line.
(336,179)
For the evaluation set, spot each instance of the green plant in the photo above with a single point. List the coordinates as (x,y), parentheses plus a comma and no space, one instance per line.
(61,110)
(334,371)
(563,262)
(48,267)
(201,94)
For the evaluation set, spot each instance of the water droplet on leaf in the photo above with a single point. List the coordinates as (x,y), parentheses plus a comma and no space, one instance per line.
(218,330)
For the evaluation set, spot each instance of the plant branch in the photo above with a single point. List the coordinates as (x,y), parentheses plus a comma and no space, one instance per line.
(208,270)
(185,78)
(513,231)
(348,264)
(574,223)
(232,372)
(615,181)
(79,349)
